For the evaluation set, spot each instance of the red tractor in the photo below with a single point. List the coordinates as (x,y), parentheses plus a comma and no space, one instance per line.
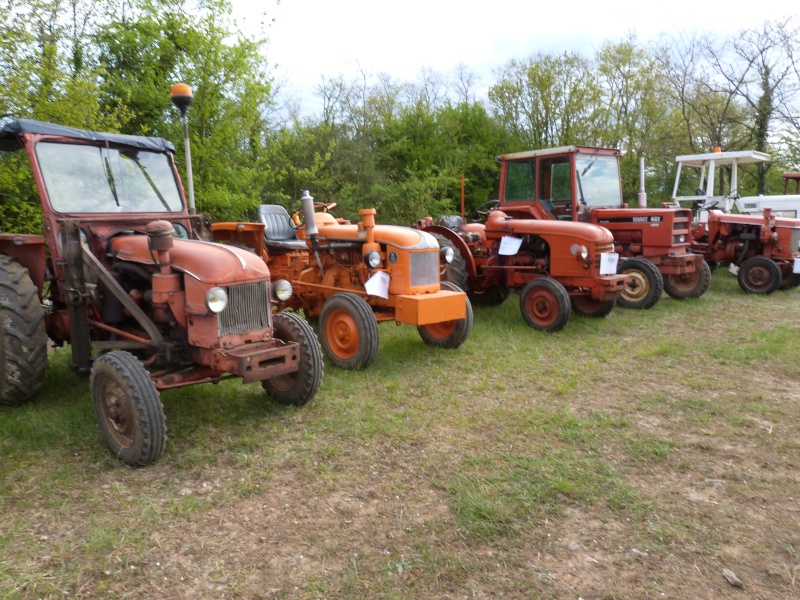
(556,267)
(352,276)
(763,248)
(582,184)
(125,272)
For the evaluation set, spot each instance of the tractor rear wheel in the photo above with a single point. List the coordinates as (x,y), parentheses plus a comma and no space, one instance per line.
(301,386)
(790,281)
(589,307)
(349,331)
(545,304)
(455,271)
(448,334)
(688,285)
(759,275)
(128,408)
(23,338)
(644,285)
(494,296)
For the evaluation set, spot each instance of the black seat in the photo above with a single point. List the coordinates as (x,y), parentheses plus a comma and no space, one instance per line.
(278,231)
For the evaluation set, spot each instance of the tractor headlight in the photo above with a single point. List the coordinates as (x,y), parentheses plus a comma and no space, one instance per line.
(447,254)
(583,253)
(216,300)
(372,259)
(282,290)
(680,239)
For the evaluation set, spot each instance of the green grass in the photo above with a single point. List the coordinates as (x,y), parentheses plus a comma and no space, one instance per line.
(505,467)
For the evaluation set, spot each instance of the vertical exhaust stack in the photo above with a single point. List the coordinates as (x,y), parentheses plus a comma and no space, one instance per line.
(182,97)
(642,196)
(307,202)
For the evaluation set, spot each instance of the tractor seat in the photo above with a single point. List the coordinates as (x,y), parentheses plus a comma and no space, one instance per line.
(278,230)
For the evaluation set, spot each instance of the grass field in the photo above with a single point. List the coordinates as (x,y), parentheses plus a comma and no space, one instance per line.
(636,456)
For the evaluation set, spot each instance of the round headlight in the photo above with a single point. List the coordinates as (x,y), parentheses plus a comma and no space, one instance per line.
(447,254)
(282,290)
(682,239)
(373,259)
(216,300)
(583,253)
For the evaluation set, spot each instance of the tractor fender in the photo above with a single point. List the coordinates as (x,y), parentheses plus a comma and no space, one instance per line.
(29,251)
(460,245)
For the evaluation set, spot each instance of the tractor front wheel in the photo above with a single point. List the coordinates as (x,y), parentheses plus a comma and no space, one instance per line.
(759,275)
(349,331)
(689,285)
(128,408)
(23,338)
(545,304)
(644,286)
(301,386)
(589,307)
(448,334)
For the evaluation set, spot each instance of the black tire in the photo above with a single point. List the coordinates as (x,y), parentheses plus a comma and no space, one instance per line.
(348,331)
(545,304)
(301,386)
(688,285)
(23,338)
(128,408)
(712,266)
(589,307)
(448,334)
(759,275)
(644,286)
(455,271)
(494,296)
(789,281)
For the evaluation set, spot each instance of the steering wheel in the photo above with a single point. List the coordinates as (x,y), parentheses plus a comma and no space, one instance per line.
(298,217)
(481,211)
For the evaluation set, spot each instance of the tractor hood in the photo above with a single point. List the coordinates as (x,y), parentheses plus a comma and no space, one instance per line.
(499,225)
(214,264)
(396,235)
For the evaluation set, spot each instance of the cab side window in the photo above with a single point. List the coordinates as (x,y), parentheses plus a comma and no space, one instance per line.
(520,181)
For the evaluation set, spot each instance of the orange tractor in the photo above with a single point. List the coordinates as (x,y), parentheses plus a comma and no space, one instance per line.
(126,274)
(582,184)
(352,276)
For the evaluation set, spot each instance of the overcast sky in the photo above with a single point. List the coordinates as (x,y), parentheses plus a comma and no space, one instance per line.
(309,39)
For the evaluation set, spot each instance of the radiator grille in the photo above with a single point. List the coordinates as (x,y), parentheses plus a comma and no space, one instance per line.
(248,309)
(600,248)
(424,268)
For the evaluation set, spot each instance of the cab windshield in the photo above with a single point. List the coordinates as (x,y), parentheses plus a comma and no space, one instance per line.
(598,180)
(90,179)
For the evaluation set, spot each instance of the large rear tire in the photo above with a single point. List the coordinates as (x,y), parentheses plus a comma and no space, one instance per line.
(688,285)
(456,270)
(349,331)
(23,338)
(448,334)
(128,408)
(759,275)
(790,281)
(644,286)
(545,304)
(494,296)
(301,386)
(589,307)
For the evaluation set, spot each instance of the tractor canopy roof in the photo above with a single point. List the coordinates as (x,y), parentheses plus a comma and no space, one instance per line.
(12,131)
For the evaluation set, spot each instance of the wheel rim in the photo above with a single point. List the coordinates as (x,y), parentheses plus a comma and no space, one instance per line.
(758,277)
(637,287)
(342,334)
(442,330)
(685,282)
(118,412)
(542,307)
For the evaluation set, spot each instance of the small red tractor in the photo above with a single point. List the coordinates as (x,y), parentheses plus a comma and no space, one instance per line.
(351,276)
(762,248)
(557,267)
(126,273)
(583,184)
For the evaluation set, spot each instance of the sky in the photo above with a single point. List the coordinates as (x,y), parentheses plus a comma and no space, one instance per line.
(312,39)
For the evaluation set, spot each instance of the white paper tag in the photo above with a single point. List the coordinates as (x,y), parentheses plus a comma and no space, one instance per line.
(509,245)
(796,268)
(608,263)
(378,285)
